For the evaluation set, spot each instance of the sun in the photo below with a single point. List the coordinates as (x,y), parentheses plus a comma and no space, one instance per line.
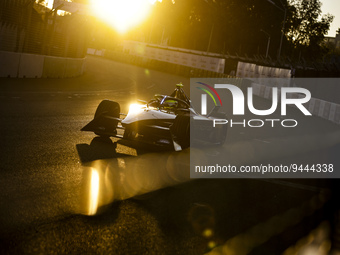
(122,14)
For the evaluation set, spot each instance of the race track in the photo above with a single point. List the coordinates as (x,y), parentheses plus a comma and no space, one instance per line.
(45,159)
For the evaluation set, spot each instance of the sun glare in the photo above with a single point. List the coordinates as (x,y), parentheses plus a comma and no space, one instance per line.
(122,14)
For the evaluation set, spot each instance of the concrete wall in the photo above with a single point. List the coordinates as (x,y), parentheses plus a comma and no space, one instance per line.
(9,64)
(22,65)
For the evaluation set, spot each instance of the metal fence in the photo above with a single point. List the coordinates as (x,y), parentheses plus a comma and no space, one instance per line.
(28,27)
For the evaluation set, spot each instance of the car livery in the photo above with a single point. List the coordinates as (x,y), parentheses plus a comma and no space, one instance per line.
(163,121)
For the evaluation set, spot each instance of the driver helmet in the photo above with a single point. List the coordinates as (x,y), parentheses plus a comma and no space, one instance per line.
(179,92)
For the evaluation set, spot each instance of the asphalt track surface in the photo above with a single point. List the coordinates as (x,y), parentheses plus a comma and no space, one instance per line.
(45,160)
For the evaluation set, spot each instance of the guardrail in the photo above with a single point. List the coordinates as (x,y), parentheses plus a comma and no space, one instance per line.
(158,65)
(321,108)
(23,65)
(317,107)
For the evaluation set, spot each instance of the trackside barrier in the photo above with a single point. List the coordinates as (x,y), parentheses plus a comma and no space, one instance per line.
(54,67)
(192,59)
(160,65)
(317,107)
(91,51)
(22,65)
(335,114)
(9,62)
(163,66)
(31,66)
(74,67)
(326,110)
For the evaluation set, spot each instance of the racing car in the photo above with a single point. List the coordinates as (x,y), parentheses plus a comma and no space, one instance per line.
(164,121)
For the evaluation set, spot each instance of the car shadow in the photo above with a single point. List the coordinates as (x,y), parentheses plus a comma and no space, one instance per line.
(99,148)
(105,148)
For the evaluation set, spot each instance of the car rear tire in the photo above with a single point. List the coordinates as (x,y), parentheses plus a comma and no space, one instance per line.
(221,135)
(181,130)
(107,108)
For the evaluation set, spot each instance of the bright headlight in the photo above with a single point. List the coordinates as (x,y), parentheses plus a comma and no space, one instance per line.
(134,108)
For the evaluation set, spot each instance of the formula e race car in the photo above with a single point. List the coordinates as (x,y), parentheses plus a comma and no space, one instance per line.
(163,121)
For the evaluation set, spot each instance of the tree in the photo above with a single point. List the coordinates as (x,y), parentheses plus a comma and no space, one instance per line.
(306,27)
(220,25)
(235,26)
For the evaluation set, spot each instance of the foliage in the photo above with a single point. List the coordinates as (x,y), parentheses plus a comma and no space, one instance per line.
(306,27)
(237,27)
(233,25)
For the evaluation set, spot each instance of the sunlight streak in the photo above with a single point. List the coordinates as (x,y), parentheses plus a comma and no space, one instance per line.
(94,192)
